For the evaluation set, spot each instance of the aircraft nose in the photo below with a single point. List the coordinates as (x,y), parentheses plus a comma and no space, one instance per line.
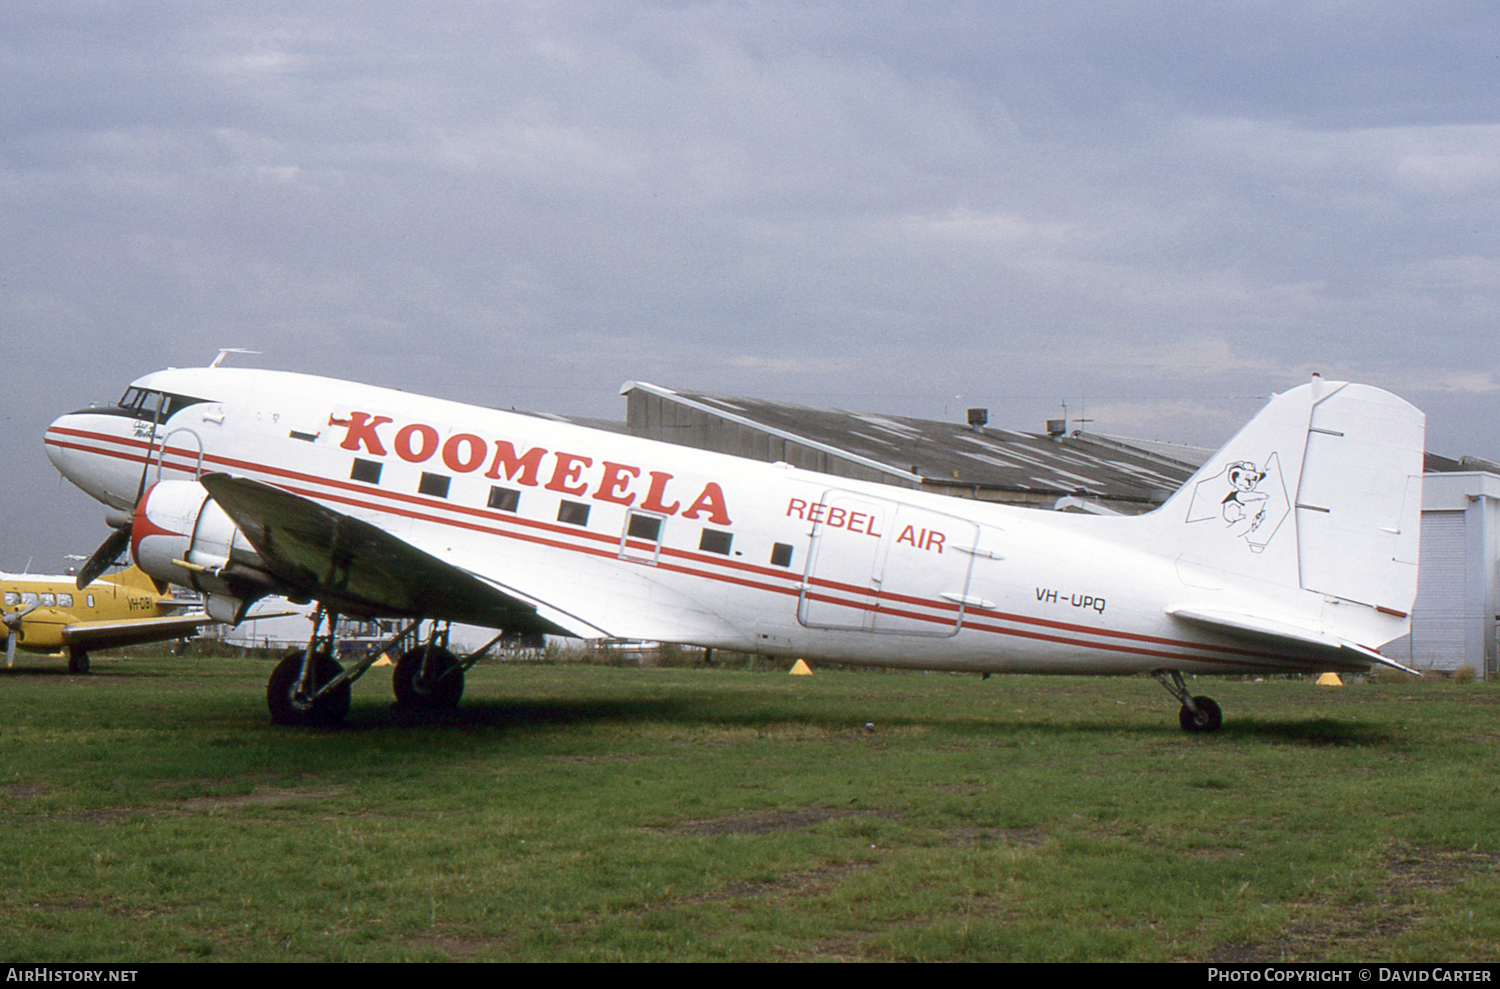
(57,439)
(88,448)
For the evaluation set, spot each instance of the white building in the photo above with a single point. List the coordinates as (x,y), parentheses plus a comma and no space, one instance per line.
(1458,594)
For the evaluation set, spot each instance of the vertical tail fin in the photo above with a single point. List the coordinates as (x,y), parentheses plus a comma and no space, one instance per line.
(1322,490)
(133,577)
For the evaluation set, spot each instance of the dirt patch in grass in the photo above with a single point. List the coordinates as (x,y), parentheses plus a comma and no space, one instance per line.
(1021,837)
(843,949)
(1213,854)
(603,757)
(810,883)
(69,903)
(187,781)
(765,822)
(960,789)
(1434,870)
(22,791)
(262,798)
(459,948)
(195,805)
(1392,912)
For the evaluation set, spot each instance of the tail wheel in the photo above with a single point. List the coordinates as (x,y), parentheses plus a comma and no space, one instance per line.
(1207,718)
(78,661)
(439,686)
(291,705)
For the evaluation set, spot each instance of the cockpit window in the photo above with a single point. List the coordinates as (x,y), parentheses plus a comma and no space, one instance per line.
(143,402)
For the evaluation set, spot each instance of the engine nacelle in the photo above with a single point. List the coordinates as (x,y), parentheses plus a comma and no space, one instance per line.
(180,535)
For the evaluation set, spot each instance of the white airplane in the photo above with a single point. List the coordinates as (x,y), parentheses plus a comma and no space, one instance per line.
(1294,548)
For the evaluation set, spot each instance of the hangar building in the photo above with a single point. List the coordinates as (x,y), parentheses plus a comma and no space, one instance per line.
(1078,471)
(1453,623)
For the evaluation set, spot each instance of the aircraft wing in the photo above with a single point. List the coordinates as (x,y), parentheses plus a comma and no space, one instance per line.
(1274,632)
(132,632)
(360,568)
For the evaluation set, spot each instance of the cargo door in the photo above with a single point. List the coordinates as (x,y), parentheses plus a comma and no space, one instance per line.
(876,565)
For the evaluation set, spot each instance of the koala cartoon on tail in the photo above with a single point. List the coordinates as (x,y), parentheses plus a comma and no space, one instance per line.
(1244,508)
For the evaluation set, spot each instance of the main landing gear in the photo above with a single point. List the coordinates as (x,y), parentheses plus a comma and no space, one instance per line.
(429,677)
(310,688)
(315,693)
(78,660)
(1198,714)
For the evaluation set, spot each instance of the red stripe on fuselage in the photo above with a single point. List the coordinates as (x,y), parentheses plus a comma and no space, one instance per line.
(607,547)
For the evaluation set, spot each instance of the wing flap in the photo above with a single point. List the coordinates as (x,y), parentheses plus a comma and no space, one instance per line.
(359,568)
(1263,629)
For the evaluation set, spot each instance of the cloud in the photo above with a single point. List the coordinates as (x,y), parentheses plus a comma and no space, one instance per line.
(890,207)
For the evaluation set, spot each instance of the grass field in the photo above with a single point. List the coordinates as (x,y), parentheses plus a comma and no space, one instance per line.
(570,811)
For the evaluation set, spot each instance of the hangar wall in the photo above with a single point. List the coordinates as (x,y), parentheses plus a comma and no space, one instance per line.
(1453,623)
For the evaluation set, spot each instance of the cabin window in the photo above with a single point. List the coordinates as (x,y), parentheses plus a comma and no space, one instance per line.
(365,470)
(646,527)
(781,555)
(715,541)
(641,540)
(12,598)
(65,600)
(28,597)
(90,600)
(505,499)
(49,600)
(573,513)
(434,485)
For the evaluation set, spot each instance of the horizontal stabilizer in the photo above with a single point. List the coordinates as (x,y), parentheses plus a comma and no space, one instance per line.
(1272,630)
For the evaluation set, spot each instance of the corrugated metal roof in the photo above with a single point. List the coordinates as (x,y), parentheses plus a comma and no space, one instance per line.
(951,455)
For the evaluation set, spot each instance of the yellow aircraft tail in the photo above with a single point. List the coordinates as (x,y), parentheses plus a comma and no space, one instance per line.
(134,578)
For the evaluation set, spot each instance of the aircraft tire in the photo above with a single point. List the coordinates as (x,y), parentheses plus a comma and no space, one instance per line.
(78,661)
(1208,718)
(440,690)
(289,709)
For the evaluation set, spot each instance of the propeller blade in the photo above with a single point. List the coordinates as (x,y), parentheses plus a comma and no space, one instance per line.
(108,552)
(12,620)
(12,623)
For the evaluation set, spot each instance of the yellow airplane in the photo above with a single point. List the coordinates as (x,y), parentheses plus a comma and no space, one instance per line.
(48,613)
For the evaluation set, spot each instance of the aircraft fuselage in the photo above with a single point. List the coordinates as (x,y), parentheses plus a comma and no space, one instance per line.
(614,535)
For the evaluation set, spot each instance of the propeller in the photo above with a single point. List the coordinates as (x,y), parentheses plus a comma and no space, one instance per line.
(12,622)
(104,557)
(114,544)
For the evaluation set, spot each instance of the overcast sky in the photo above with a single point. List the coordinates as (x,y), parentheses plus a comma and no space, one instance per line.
(1160,212)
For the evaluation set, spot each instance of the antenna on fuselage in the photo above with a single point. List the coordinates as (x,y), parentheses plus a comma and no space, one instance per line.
(230,350)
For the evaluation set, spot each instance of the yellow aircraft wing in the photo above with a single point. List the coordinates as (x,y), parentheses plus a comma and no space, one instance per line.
(131,632)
